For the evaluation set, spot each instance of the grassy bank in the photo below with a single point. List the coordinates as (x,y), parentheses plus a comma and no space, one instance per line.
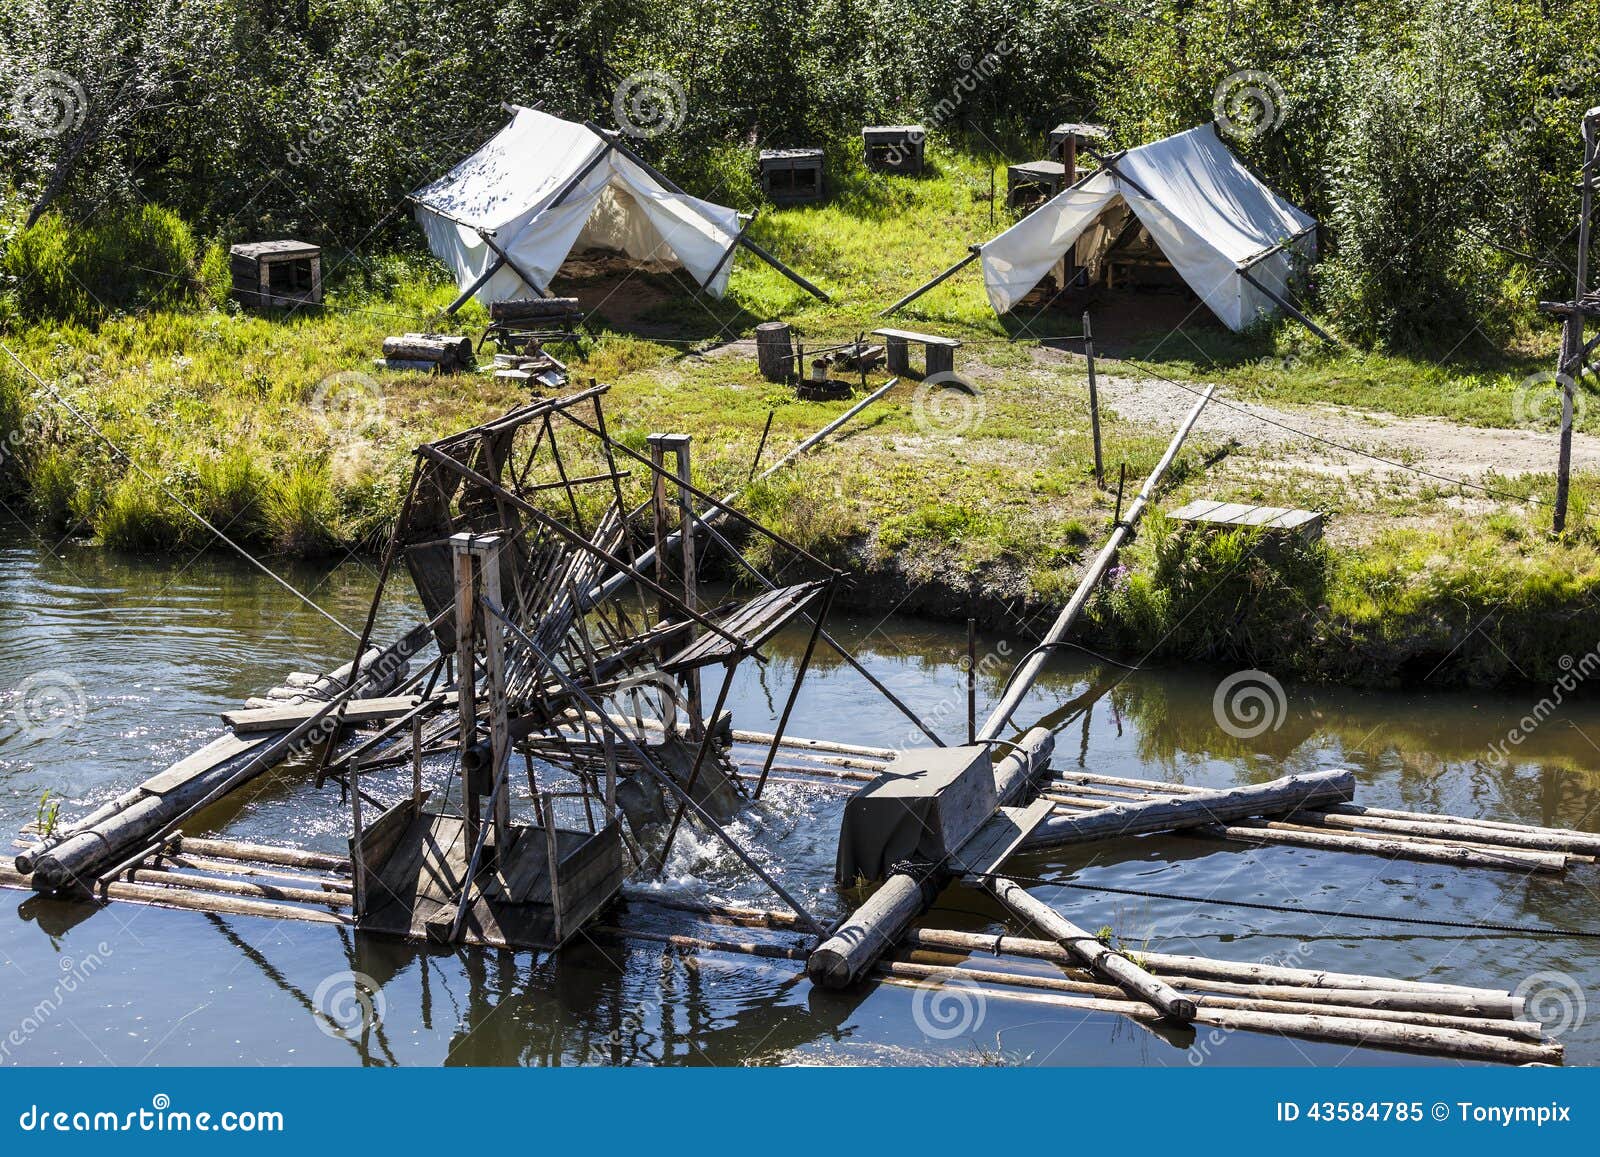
(280,431)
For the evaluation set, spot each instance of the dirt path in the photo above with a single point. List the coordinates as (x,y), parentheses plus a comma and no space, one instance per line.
(1433,444)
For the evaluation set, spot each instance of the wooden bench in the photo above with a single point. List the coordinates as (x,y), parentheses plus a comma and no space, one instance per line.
(1242,516)
(938,356)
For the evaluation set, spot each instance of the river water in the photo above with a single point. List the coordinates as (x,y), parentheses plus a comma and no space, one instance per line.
(113,666)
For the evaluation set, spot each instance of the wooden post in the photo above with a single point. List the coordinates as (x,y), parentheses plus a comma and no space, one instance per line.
(1572,326)
(466,674)
(1094,403)
(487,552)
(678,444)
(896,353)
(972,680)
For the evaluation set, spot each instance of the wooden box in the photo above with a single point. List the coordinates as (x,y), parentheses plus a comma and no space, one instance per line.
(1032,183)
(925,805)
(792,176)
(1066,141)
(894,148)
(277,274)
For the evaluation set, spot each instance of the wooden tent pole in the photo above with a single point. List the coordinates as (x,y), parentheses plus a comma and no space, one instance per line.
(1287,308)
(974,252)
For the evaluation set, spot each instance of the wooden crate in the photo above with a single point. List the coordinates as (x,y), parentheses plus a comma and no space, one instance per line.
(1032,183)
(792,176)
(894,148)
(277,274)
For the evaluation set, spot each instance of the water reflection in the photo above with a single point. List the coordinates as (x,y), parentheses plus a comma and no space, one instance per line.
(161,648)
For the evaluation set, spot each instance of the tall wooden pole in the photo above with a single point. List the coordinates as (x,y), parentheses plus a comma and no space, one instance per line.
(1028,670)
(1094,403)
(1573,325)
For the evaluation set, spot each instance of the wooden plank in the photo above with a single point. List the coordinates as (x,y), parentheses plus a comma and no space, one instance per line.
(213,754)
(359,711)
(994,843)
(922,338)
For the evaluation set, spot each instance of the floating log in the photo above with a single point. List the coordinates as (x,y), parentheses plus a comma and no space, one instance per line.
(1086,950)
(1585,843)
(749,917)
(1394,847)
(1309,1003)
(1359,1032)
(238,887)
(265,854)
(1288,794)
(1203,967)
(1357,817)
(849,953)
(706,944)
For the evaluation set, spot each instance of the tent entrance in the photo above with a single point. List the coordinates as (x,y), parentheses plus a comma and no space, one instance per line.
(1114,258)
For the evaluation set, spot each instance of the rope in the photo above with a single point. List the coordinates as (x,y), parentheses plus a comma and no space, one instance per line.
(195,514)
(1467,925)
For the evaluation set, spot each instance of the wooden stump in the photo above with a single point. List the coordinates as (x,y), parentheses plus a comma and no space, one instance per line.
(898,354)
(939,359)
(774,352)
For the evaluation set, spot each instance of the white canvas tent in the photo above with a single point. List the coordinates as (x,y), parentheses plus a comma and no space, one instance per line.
(1230,237)
(505,219)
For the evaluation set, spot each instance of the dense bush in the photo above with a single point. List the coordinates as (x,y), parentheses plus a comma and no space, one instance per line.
(1436,141)
(144,258)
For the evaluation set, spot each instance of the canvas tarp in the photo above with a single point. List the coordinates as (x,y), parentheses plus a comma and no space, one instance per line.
(507,191)
(1202,207)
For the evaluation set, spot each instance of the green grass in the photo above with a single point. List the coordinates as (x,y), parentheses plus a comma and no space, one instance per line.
(279,430)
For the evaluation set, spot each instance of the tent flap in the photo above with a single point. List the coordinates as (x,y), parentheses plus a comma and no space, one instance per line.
(543,186)
(1203,208)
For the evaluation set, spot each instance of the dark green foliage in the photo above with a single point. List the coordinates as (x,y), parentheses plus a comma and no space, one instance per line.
(1437,142)
(144,258)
